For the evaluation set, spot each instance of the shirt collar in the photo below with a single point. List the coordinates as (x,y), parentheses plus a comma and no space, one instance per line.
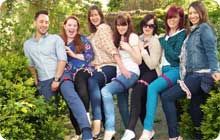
(44,36)
(167,36)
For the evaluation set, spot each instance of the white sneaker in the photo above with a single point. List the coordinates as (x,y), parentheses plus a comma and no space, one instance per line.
(147,135)
(1,138)
(76,137)
(108,135)
(176,138)
(128,135)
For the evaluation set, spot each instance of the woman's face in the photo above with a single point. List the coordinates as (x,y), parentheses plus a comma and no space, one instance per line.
(148,28)
(95,17)
(122,29)
(193,16)
(173,22)
(71,28)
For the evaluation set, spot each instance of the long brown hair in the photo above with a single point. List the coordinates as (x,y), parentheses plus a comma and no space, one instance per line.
(79,46)
(200,8)
(122,19)
(92,27)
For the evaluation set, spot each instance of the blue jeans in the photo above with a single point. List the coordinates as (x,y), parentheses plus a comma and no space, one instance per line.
(118,86)
(156,87)
(95,83)
(72,99)
(169,97)
(44,88)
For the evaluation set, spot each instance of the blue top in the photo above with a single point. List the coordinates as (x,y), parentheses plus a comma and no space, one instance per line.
(43,54)
(75,64)
(201,49)
(172,47)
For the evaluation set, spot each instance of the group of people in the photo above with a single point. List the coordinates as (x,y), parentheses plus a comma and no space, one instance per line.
(181,63)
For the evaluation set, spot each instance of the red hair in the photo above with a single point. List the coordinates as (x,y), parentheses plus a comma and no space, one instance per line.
(77,41)
(173,11)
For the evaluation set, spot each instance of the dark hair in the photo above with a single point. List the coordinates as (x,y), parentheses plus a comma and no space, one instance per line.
(92,27)
(200,8)
(77,40)
(173,11)
(147,18)
(122,19)
(44,12)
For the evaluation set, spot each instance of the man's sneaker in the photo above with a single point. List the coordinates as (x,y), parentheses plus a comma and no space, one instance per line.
(128,135)
(76,137)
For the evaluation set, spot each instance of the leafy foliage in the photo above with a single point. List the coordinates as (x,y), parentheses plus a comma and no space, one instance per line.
(23,114)
(115,5)
(186,125)
(211,124)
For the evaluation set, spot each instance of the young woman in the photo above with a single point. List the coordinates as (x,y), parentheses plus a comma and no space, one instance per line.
(80,54)
(127,43)
(151,52)
(200,69)
(171,44)
(106,57)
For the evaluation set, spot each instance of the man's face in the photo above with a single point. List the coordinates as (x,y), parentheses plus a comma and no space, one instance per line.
(42,24)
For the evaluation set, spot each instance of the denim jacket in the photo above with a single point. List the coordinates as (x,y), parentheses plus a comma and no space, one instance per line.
(201,49)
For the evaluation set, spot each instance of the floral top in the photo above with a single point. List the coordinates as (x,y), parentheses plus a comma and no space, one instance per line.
(75,64)
(103,46)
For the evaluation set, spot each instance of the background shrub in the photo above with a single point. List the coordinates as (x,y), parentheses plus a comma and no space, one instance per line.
(23,114)
(211,123)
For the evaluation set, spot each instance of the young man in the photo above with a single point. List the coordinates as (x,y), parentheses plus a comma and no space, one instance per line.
(47,59)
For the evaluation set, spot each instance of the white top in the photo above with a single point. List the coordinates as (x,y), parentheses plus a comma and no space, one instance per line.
(126,58)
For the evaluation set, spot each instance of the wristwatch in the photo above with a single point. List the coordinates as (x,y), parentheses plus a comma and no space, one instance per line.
(56,79)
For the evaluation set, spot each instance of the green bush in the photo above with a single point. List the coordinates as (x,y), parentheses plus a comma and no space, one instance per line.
(186,126)
(211,123)
(23,114)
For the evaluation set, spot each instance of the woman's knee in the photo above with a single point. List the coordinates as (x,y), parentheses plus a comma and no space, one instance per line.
(164,97)
(67,85)
(105,92)
(82,89)
(91,80)
(153,87)
(92,83)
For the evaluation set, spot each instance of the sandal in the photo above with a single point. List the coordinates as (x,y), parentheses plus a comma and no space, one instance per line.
(97,136)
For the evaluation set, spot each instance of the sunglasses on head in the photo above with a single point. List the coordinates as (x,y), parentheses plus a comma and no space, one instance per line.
(152,26)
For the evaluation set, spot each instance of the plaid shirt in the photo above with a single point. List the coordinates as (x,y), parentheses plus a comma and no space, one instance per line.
(103,46)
